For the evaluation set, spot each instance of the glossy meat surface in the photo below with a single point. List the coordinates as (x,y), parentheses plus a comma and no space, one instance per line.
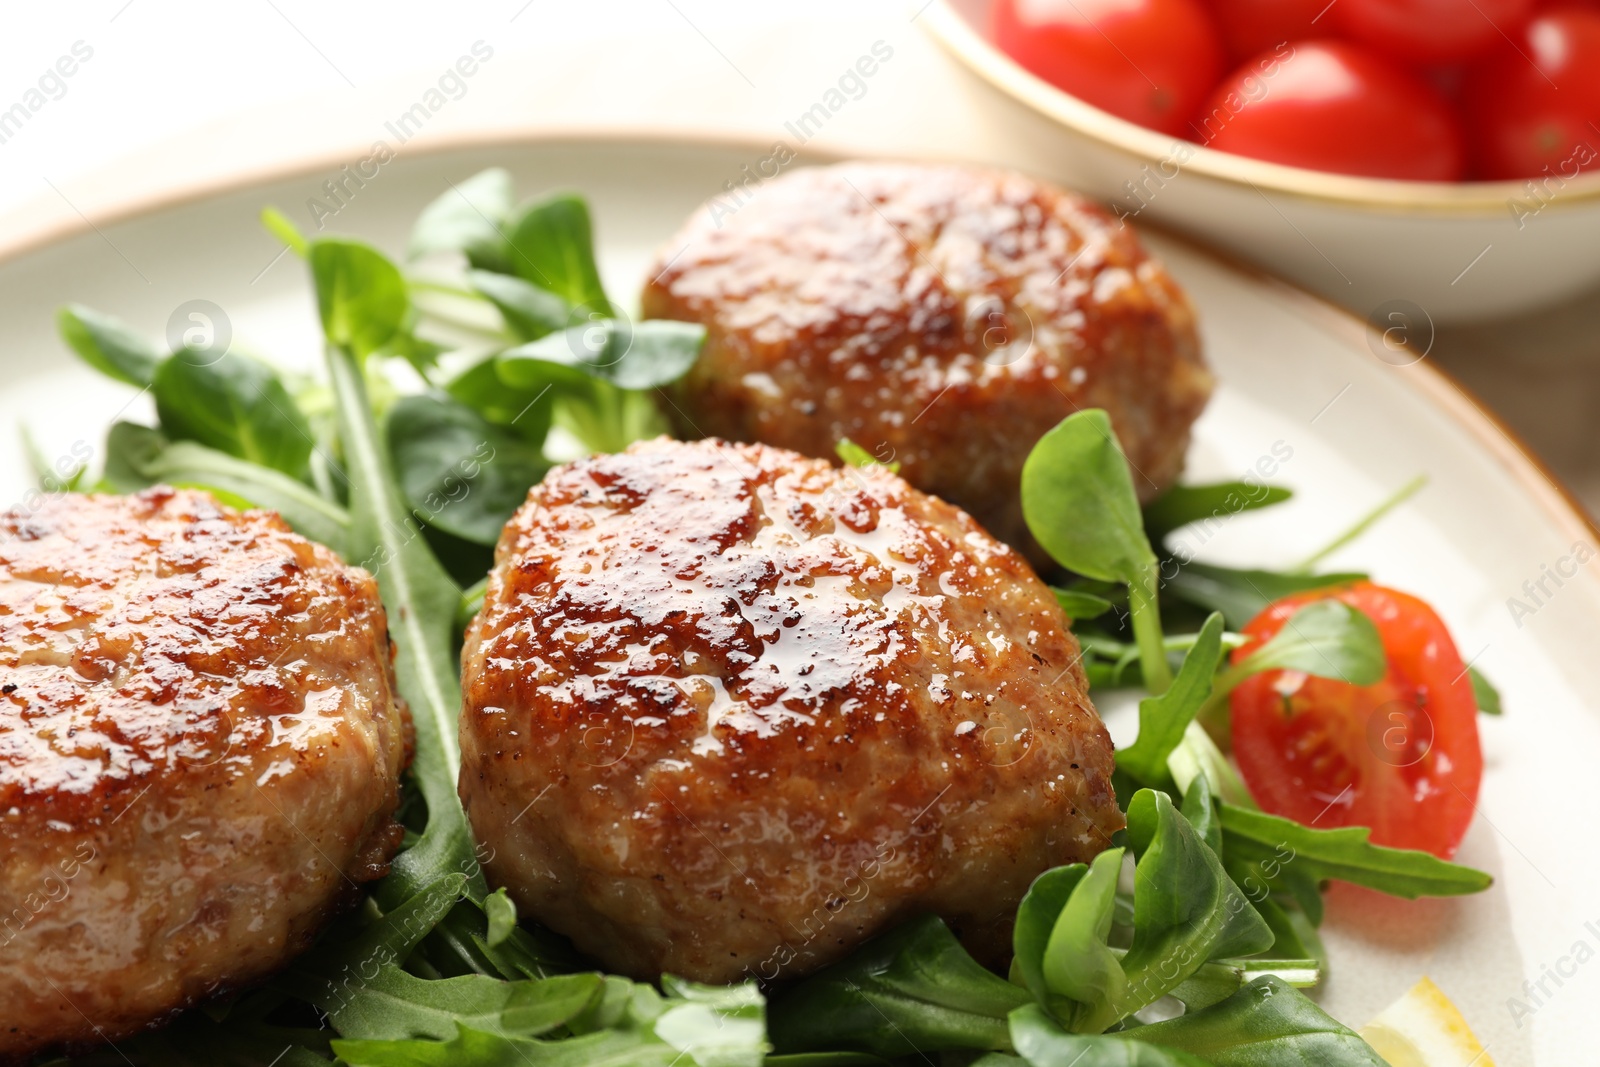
(199,755)
(939,316)
(730,711)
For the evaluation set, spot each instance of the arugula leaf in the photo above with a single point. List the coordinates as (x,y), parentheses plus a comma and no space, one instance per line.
(138,456)
(420,596)
(1241,595)
(327,975)
(458,471)
(470,219)
(1362,525)
(236,405)
(361,296)
(1259,839)
(1079,503)
(912,990)
(1266,1024)
(865,1059)
(552,246)
(1163,719)
(1043,1043)
(1484,692)
(1184,504)
(459,945)
(109,346)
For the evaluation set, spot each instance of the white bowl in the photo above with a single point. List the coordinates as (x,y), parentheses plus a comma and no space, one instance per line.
(1385,249)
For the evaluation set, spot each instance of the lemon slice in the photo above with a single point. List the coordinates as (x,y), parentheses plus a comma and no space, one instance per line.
(1424,1029)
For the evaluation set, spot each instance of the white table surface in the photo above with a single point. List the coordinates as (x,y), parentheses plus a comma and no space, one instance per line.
(182,94)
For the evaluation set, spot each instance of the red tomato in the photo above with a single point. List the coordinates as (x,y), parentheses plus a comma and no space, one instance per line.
(1148,61)
(1401,756)
(1332,106)
(1534,107)
(1425,32)
(1253,26)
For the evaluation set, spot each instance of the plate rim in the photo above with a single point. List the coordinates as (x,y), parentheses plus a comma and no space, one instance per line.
(1451,398)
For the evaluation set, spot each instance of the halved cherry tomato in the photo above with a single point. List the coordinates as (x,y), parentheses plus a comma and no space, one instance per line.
(1253,26)
(1534,105)
(1148,61)
(1428,32)
(1333,106)
(1401,756)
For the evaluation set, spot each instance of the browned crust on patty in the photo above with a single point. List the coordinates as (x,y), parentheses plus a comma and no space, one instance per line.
(943,317)
(729,711)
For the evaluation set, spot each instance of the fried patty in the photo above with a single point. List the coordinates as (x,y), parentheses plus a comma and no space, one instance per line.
(199,754)
(938,316)
(730,711)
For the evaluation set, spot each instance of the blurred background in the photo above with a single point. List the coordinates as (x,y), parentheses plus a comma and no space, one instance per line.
(164,97)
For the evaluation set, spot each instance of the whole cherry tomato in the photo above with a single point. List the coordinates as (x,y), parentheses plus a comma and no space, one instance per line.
(1333,106)
(1148,61)
(1401,756)
(1427,32)
(1253,26)
(1533,105)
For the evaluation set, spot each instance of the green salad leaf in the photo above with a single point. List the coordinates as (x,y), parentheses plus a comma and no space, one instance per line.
(1164,718)
(1327,638)
(1079,503)
(361,296)
(1185,504)
(552,246)
(1044,1043)
(1241,595)
(356,296)
(236,404)
(138,456)
(1265,847)
(856,456)
(1186,910)
(645,355)
(529,311)
(911,990)
(469,219)
(1484,692)
(1268,1023)
(458,471)
(109,346)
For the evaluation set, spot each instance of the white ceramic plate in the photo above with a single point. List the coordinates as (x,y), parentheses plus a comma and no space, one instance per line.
(1295,374)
